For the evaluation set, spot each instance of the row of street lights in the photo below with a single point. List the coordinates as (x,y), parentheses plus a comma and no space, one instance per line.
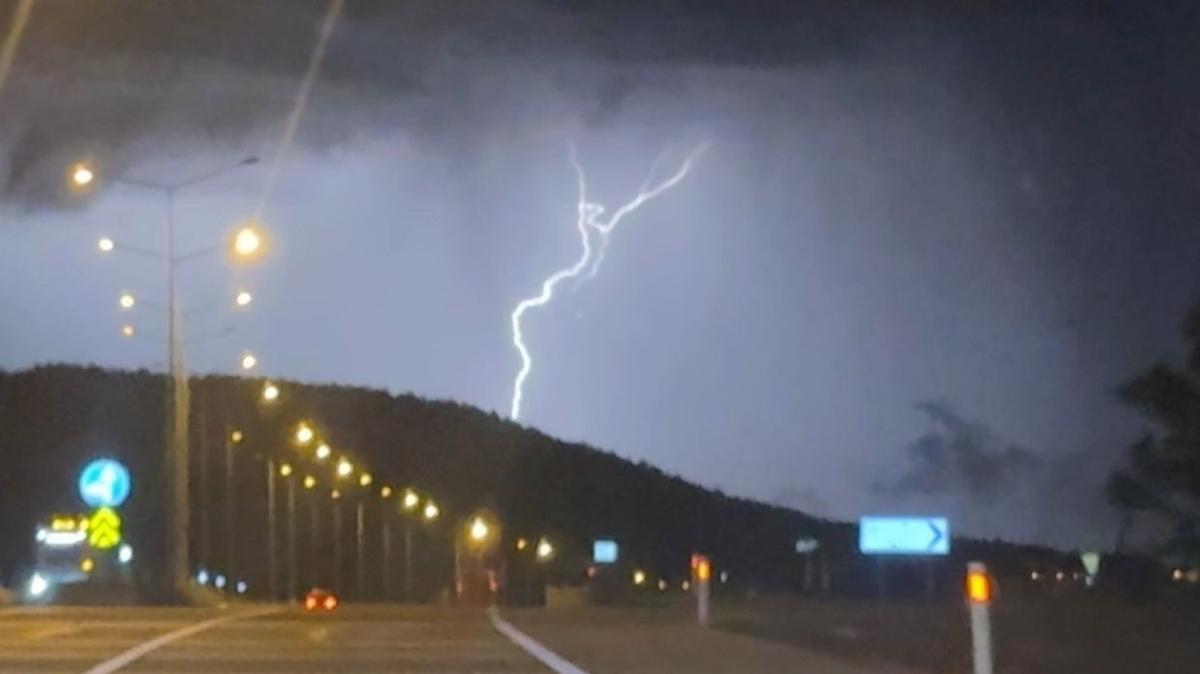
(248,243)
(344,479)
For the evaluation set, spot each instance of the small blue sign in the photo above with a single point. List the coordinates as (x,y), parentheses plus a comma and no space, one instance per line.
(904,536)
(104,483)
(604,551)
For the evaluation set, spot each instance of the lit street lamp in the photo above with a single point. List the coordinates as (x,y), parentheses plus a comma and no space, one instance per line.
(106,245)
(431,511)
(304,434)
(249,361)
(411,500)
(323,451)
(344,468)
(479,530)
(270,392)
(243,298)
(81,175)
(247,241)
(545,550)
(127,301)
(127,330)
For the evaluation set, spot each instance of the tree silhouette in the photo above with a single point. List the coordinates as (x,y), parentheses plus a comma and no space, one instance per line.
(1162,475)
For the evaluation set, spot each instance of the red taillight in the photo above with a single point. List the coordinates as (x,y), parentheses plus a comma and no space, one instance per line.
(330,603)
(310,603)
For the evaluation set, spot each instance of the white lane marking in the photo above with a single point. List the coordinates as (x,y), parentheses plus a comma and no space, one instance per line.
(114,664)
(543,655)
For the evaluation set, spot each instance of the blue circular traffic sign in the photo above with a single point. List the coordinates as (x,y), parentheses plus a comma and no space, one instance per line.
(104,483)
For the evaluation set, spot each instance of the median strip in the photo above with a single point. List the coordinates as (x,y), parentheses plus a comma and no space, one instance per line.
(544,655)
(141,650)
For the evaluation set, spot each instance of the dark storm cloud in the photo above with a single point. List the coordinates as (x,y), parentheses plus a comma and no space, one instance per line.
(120,79)
(960,456)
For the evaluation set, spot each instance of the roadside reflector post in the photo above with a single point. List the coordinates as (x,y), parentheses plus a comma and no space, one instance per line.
(702,586)
(979,601)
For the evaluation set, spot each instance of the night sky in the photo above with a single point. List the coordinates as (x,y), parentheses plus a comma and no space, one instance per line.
(970,223)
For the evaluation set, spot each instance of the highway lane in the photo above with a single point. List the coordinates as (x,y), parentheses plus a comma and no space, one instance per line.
(353,639)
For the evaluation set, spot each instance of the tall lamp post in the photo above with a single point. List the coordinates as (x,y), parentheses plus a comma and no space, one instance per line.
(176,579)
(285,471)
(385,537)
(360,575)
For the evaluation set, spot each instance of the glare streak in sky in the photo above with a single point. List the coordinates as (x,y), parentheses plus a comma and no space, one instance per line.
(588,221)
(300,104)
(8,50)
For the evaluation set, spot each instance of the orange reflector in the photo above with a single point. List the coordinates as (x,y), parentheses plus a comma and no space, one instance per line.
(979,587)
(703,570)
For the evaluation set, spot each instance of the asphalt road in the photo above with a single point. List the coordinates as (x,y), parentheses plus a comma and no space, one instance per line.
(352,640)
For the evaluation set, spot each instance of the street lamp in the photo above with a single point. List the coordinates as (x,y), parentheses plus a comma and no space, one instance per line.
(304,434)
(106,245)
(82,175)
(385,492)
(344,468)
(285,470)
(478,530)
(545,550)
(247,242)
(248,361)
(431,511)
(270,392)
(411,500)
(243,298)
(127,330)
(309,482)
(364,480)
(127,301)
(323,451)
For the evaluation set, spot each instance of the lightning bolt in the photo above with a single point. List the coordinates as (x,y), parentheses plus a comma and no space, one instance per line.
(588,223)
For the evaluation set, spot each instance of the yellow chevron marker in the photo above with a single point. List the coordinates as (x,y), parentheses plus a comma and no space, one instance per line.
(104,529)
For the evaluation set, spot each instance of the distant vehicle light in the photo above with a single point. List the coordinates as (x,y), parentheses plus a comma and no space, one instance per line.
(241,587)
(38,585)
(125,554)
(219,582)
(319,599)
(64,538)
(87,565)
(639,577)
(202,577)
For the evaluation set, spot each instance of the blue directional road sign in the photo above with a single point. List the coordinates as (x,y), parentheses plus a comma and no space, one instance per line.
(104,483)
(904,536)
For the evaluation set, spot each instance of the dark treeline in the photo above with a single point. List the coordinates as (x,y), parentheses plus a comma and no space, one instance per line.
(56,418)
